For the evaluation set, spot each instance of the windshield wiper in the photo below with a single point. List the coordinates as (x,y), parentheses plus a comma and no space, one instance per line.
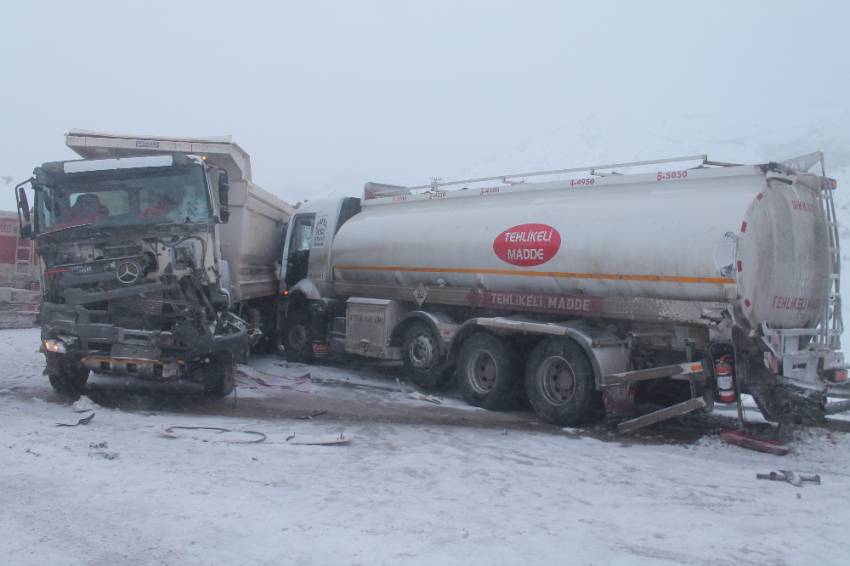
(65,228)
(187,222)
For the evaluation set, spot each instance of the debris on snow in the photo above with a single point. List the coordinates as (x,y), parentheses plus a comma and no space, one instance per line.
(318,440)
(84,405)
(753,442)
(417,395)
(422,397)
(82,421)
(254,437)
(794,478)
(311,415)
(104,454)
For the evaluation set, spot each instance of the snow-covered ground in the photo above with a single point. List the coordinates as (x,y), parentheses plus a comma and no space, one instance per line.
(418,483)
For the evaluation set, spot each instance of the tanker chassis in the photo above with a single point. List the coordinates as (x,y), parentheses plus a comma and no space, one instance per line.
(157,259)
(598,293)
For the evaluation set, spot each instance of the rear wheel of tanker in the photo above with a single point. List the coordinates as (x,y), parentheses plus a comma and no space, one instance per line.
(66,377)
(295,337)
(217,375)
(559,382)
(422,353)
(486,372)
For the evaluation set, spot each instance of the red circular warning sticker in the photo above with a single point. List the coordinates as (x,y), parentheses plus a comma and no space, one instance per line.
(527,245)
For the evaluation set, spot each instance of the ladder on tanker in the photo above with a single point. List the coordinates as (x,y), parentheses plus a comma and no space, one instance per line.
(831,324)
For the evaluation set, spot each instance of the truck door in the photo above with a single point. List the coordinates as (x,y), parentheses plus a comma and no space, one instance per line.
(298,248)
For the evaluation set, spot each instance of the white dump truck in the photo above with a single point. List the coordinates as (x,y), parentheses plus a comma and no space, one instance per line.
(592,292)
(157,258)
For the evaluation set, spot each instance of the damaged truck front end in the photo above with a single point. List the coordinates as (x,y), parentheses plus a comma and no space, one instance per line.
(132,280)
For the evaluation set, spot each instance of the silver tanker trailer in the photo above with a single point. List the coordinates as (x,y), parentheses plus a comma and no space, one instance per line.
(593,292)
(157,259)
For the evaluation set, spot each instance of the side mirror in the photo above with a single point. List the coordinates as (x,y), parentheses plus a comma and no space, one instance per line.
(223,196)
(24,218)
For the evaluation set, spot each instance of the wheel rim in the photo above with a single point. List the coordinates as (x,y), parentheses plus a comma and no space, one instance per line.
(557,380)
(481,372)
(421,352)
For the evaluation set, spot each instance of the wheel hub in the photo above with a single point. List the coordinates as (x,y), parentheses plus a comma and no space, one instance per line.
(482,371)
(421,352)
(558,380)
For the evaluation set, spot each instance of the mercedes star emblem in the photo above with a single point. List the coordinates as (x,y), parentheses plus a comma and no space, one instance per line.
(127,272)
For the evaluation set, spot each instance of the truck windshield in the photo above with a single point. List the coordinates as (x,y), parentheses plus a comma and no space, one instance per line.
(123,198)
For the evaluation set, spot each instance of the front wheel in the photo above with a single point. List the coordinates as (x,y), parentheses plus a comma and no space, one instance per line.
(423,356)
(66,377)
(559,381)
(217,376)
(486,372)
(295,337)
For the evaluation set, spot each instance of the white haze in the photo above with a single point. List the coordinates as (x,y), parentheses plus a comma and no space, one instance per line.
(326,96)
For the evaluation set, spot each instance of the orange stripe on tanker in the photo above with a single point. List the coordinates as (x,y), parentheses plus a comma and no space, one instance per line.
(555,274)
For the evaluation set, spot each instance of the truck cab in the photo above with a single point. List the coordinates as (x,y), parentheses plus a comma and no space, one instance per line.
(306,272)
(157,259)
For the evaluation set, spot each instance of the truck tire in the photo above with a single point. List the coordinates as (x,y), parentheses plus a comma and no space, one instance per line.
(559,382)
(486,372)
(217,375)
(295,337)
(423,356)
(65,377)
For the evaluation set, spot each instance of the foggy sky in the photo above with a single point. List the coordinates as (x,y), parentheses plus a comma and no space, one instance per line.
(328,95)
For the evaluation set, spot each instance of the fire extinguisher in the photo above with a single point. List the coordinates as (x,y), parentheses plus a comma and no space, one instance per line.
(724,371)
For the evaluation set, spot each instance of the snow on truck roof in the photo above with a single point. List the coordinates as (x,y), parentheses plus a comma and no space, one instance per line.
(692,166)
(221,150)
(89,165)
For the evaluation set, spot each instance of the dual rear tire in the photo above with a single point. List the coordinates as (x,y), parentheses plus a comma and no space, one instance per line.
(487,372)
(559,379)
(560,382)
